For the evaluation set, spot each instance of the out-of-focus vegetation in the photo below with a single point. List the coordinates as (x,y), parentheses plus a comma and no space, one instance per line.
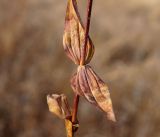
(126,35)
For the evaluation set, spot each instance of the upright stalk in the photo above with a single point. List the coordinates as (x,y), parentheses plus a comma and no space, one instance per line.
(74,114)
(75,108)
(87,26)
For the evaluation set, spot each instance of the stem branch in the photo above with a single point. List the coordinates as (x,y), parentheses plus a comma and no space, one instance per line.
(75,108)
(74,114)
(87,26)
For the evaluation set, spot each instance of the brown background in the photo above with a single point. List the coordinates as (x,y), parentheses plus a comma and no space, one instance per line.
(126,35)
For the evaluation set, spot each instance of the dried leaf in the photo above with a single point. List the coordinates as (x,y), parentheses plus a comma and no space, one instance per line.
(93,89)
(74,34)
(58,105)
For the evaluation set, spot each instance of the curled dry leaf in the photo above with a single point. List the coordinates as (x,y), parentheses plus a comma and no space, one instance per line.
(58,105)
(74,35)
(88,84)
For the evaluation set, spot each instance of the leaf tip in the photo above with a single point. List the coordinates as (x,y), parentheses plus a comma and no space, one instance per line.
(111,116)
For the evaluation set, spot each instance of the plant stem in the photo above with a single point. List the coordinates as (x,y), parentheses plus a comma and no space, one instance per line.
(87,26)
(74,114)
(75,108)
(69,128)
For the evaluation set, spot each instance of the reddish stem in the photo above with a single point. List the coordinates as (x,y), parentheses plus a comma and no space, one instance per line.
(74,115)
(87,26)
(75,108)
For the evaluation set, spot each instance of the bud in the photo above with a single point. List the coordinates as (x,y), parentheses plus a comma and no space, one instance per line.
(58,105)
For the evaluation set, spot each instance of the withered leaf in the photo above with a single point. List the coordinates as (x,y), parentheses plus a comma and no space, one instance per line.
(88,84)
(58,105)
(74,34)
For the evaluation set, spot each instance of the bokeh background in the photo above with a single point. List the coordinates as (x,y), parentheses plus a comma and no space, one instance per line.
(126,35)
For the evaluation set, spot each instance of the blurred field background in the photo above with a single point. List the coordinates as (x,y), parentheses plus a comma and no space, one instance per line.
(126,35)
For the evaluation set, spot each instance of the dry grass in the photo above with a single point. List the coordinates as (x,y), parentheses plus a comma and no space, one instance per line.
(33,64)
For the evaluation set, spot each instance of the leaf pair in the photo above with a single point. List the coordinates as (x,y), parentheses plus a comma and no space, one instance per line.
(85,82)
(74,35)
(89,85)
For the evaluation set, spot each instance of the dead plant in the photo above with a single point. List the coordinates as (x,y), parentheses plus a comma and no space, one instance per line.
(85,82)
